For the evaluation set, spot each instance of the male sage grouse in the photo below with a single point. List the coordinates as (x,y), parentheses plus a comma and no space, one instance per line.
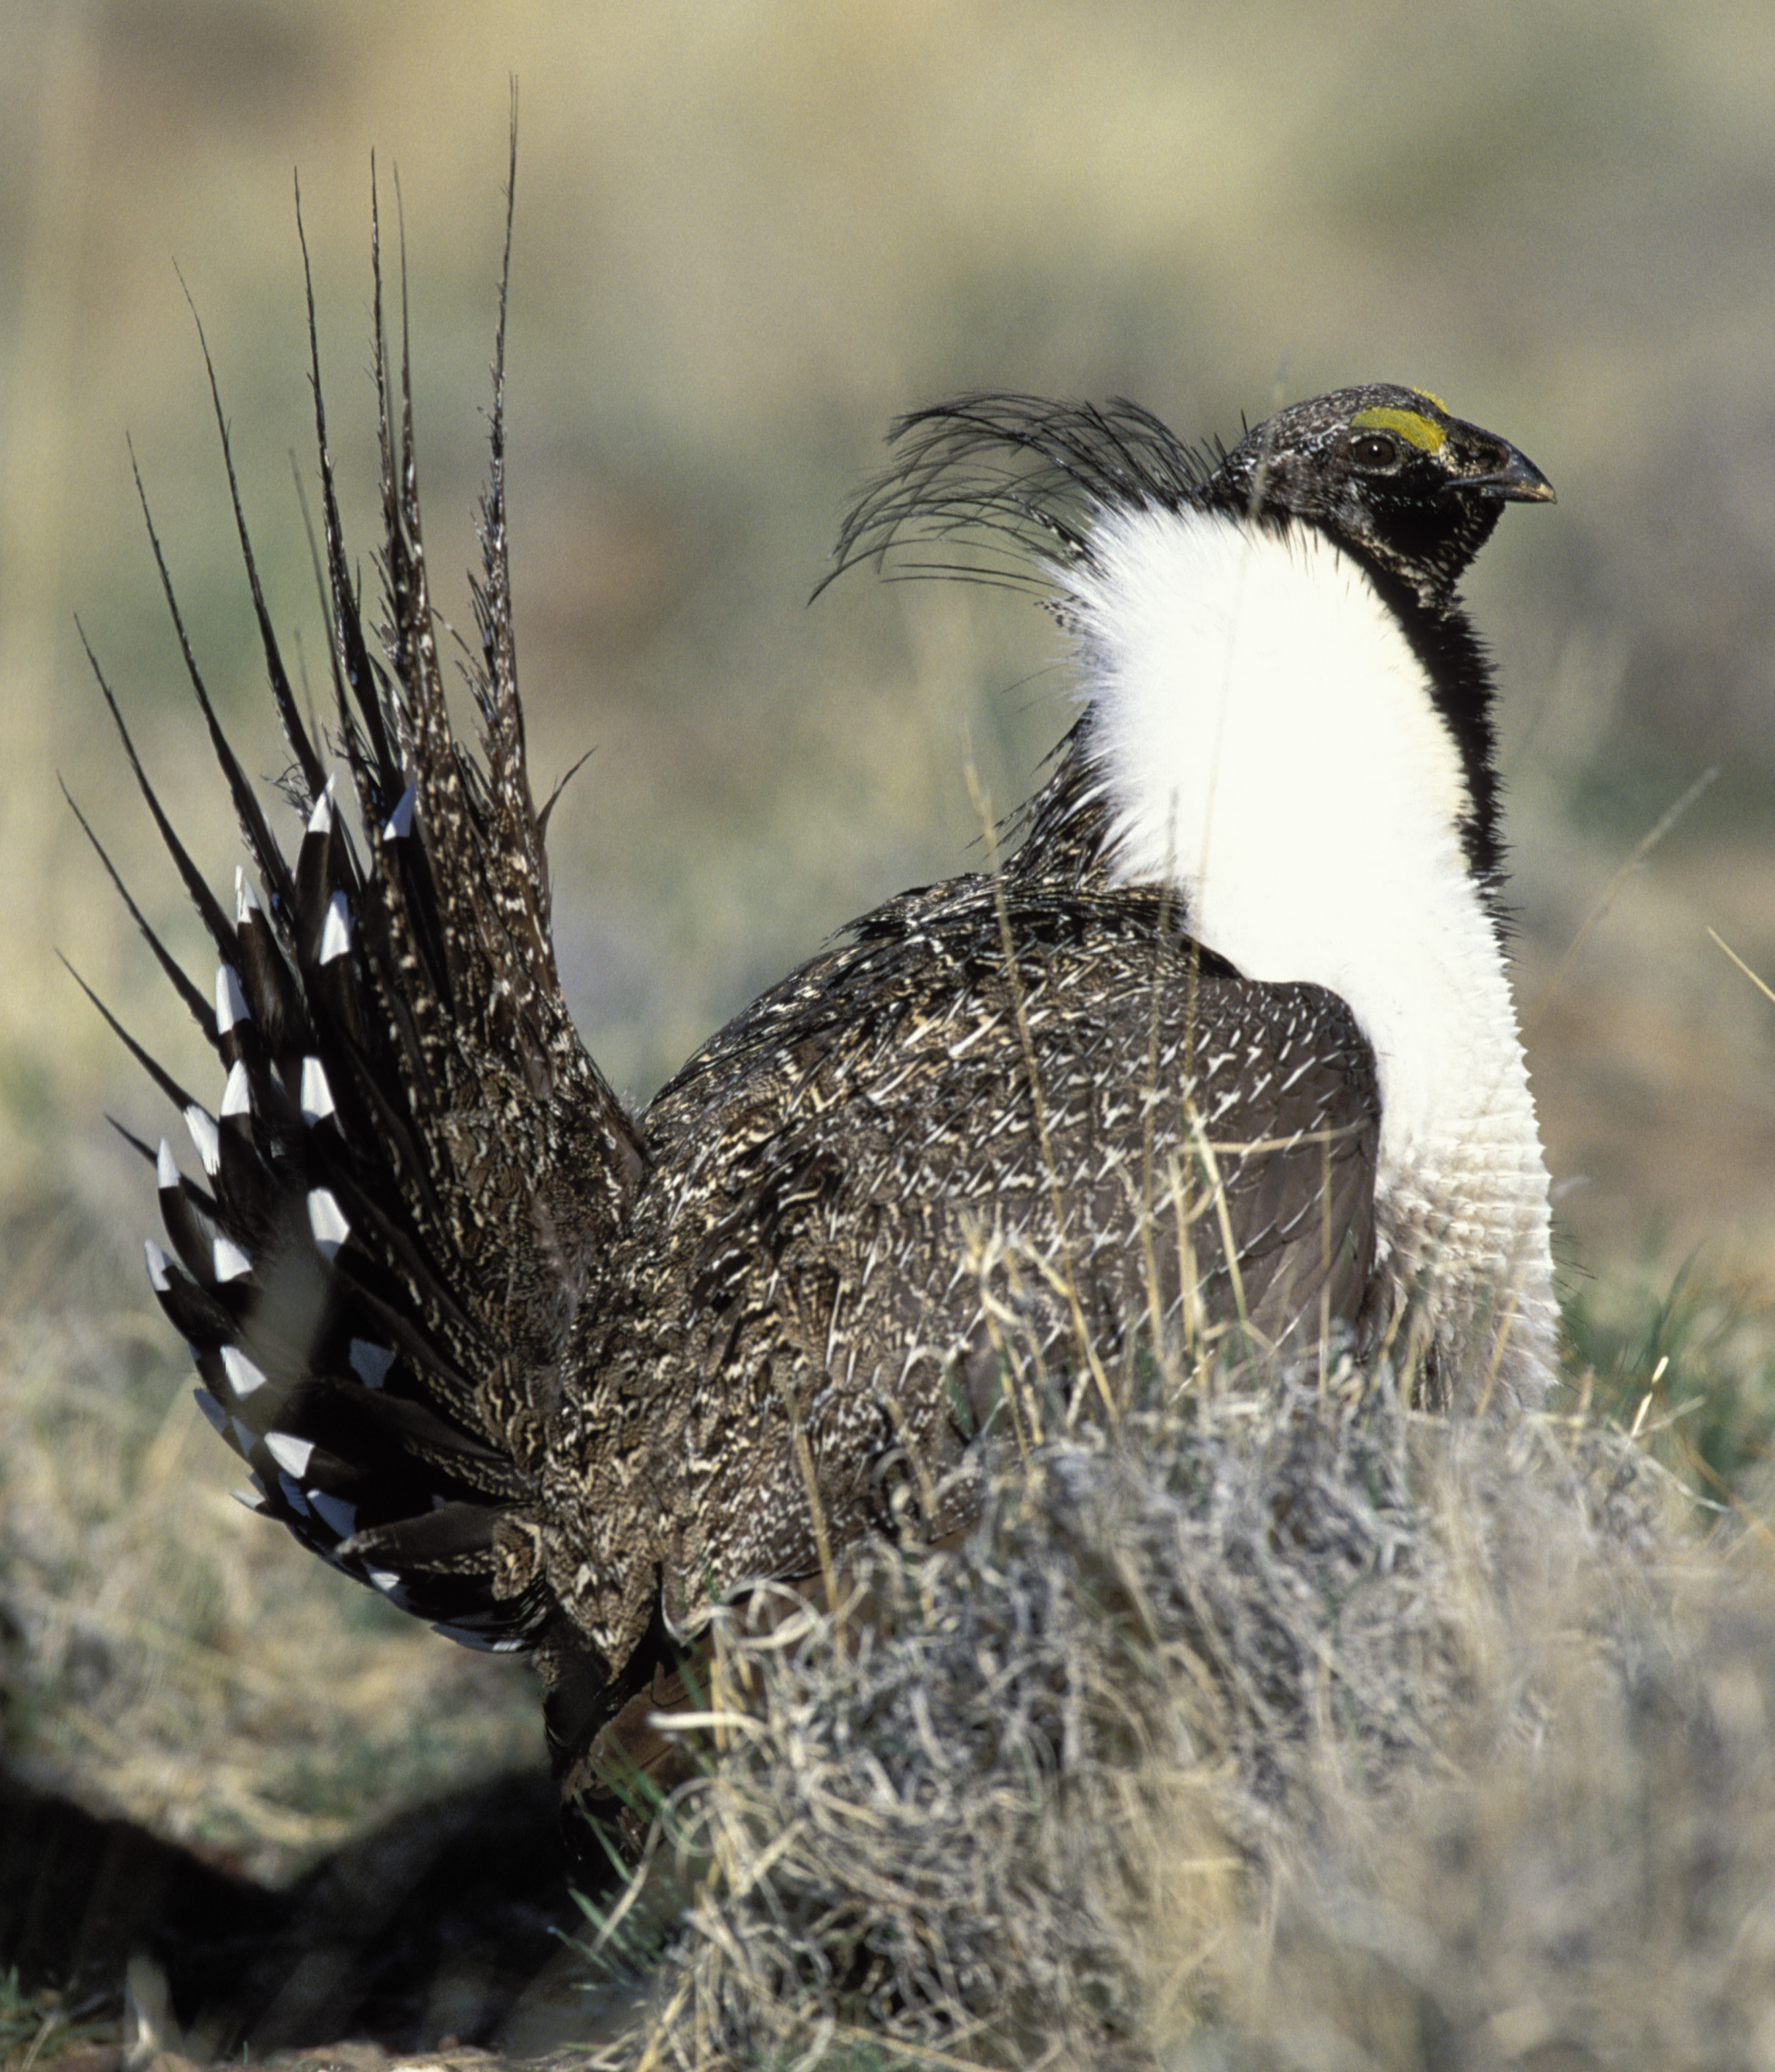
(1221,1051)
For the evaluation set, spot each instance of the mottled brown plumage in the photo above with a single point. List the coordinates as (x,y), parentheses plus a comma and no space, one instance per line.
(921,1132)
(559,1377)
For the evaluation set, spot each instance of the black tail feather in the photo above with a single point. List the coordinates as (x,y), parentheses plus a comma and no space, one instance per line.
(194,1000)
(404,1097)
(349,656)
(313,771)
(167,1084)
(198,891)
(273,996)
(265,854)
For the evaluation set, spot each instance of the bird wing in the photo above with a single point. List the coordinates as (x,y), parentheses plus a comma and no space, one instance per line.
(1003,1130)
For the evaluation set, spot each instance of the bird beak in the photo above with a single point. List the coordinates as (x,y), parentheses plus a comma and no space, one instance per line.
(1518,481)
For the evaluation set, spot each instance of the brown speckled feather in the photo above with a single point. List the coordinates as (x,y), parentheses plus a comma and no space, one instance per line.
(906,1135)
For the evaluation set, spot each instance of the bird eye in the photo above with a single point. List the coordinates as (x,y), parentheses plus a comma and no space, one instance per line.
(1377,453)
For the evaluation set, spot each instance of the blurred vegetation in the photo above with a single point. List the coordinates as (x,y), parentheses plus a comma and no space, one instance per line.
(39,2027)
(749,233)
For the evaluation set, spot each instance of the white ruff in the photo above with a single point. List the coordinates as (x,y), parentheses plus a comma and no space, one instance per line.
(1270,746)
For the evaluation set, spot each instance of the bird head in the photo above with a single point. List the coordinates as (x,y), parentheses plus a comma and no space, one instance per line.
(1388,474)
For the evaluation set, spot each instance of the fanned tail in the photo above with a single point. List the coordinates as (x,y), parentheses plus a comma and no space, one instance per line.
(415,1167)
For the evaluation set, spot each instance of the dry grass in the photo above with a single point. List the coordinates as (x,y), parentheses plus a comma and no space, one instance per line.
(1285,1729)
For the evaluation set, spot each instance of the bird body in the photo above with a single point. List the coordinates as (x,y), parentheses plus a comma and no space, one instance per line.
(1219,1052)
(847,1255)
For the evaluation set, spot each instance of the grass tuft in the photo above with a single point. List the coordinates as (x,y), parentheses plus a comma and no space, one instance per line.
(1288,1728)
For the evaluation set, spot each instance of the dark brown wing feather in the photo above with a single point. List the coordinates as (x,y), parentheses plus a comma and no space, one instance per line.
(915,1167)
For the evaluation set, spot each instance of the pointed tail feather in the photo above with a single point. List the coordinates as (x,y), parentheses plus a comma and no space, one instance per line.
(414,1168)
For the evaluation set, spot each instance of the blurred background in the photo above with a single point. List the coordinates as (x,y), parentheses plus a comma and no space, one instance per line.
(748,231)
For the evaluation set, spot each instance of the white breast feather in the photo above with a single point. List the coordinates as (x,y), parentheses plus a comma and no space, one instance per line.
(1270,746)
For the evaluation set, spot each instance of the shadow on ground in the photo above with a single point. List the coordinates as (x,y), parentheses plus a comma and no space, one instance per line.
(444,1923)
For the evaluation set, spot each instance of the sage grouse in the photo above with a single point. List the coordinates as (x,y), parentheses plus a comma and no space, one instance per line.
(1225,1043)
